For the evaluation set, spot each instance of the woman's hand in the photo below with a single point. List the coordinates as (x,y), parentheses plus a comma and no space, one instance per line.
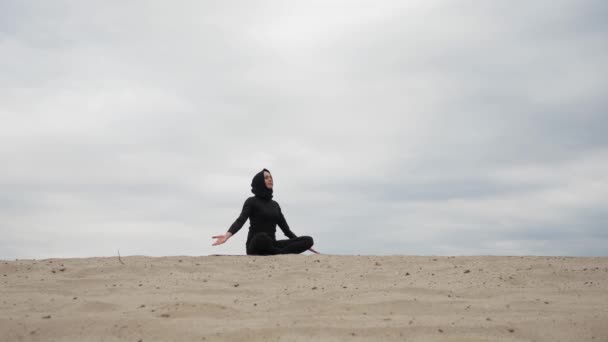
(221,239)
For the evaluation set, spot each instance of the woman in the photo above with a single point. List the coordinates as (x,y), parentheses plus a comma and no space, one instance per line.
(264,214)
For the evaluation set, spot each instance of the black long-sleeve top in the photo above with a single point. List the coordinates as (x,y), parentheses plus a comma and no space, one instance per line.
(263,215)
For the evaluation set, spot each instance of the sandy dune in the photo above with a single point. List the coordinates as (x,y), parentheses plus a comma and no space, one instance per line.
(305,298)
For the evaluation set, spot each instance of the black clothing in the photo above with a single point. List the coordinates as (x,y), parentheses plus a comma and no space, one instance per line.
(258,186)
(263,215)
(263,244)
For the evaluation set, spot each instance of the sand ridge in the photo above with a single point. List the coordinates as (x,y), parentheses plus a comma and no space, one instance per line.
(304,298)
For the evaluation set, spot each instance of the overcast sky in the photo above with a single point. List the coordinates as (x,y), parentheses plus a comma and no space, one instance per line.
(390,127)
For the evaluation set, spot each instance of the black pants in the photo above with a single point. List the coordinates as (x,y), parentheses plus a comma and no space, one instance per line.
(263,244)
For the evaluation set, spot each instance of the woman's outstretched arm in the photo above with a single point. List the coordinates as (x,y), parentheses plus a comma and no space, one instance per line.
(236,226)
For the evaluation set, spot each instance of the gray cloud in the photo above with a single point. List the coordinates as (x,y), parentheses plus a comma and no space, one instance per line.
(392,128)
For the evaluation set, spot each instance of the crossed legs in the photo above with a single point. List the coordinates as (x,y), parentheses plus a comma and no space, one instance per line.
(263,244)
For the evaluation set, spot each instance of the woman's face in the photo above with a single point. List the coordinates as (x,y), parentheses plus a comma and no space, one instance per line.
(268,179)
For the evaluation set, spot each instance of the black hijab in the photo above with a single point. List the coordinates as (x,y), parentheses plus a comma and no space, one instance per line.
(258,186)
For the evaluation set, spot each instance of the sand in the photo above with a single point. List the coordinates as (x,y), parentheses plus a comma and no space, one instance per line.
(305,298)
